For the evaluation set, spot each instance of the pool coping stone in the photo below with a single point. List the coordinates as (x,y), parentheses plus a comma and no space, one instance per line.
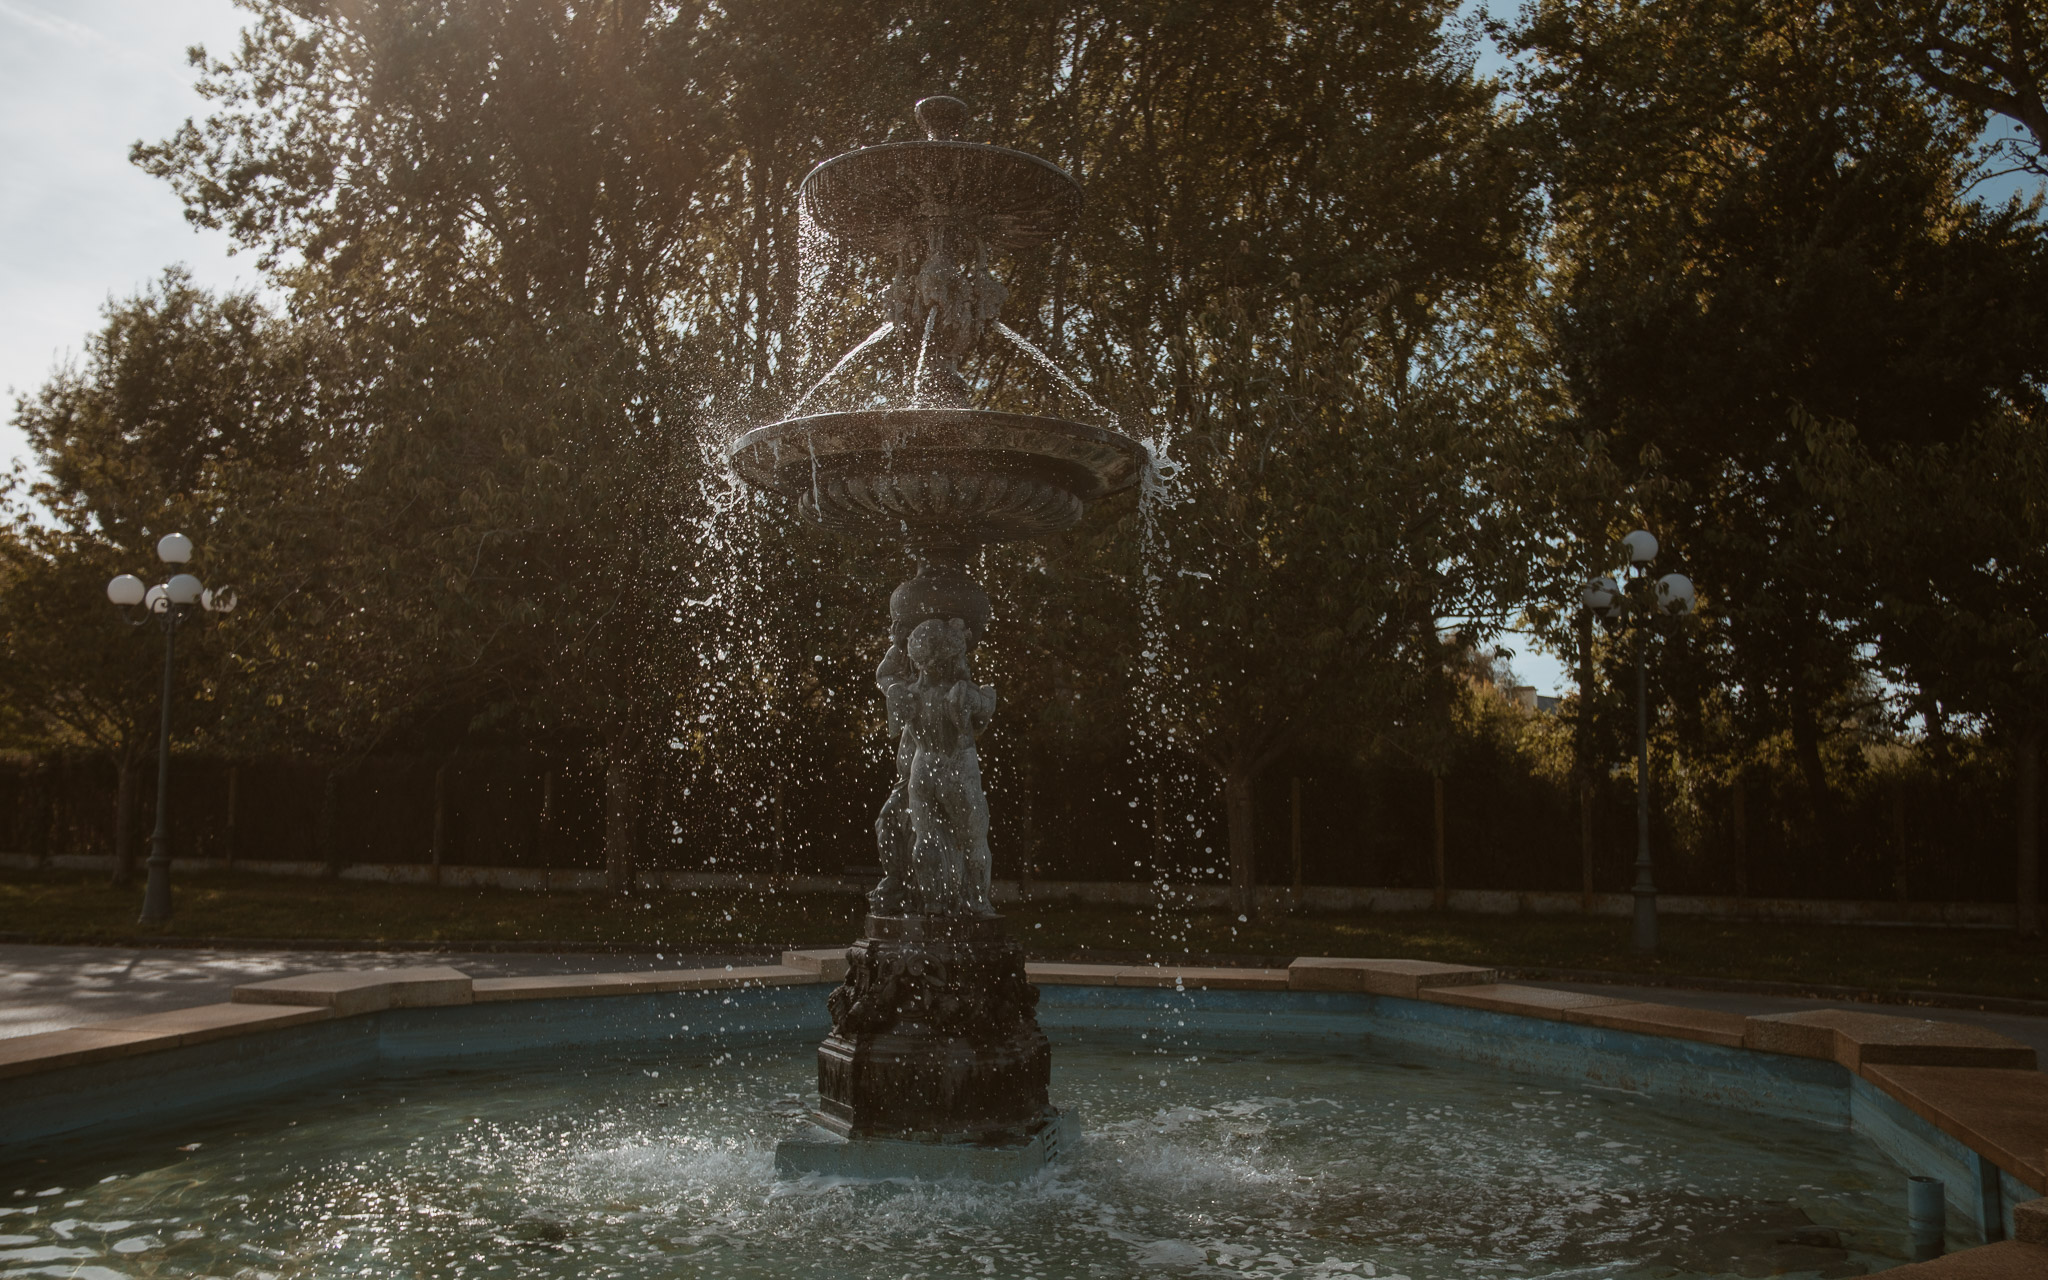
(1999,1112)
(2005,1260)
(640,982)
(1392,977)
(349,991)
(75,1046)
(1529,1002)
(1855,1039)
(1710,1026)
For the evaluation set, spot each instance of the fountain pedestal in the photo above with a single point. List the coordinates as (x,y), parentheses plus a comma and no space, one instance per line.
(936,1066)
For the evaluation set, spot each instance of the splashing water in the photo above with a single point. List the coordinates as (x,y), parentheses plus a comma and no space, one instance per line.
(1291,1159)
(845,362)
(1046,362)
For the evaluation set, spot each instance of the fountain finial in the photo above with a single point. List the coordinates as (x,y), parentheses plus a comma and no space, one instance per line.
(943,118)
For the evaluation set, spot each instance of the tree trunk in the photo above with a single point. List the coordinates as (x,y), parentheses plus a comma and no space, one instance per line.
(124,822)
(621,820)
(1442,897)
(2027,777)
(1237,804)
(1294,835)
(1741,799)
(781,853)
(330,823)
(1813,770)
(39,815)
(1158,822)
(231,836)
(544,830)
(437,852)
(1583,764)
(1586,847)
(1901,851)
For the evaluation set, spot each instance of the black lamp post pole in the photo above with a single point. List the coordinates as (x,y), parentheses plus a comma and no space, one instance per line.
(1635,605)
(1645,889)
(156,896)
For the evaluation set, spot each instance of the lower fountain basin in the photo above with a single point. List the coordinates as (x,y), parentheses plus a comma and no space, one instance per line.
(961,476)
(1300,1136)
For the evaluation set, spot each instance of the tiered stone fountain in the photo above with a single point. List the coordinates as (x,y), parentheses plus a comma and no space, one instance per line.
(936,1064)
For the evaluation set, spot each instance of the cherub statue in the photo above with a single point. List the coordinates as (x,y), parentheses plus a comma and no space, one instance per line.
(895,895)
(948,812)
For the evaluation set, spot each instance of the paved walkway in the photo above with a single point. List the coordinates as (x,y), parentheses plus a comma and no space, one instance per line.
(49,988)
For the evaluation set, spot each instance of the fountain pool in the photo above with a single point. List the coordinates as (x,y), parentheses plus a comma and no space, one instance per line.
(1209,1152)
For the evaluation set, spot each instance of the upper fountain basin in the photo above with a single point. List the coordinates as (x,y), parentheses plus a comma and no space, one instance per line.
(956,476)
(876,195)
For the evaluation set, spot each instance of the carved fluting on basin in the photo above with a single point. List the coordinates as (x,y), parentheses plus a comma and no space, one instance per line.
(971,475)
(984,508)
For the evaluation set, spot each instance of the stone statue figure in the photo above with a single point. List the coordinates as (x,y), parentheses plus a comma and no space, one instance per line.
(943,866)
(893,839)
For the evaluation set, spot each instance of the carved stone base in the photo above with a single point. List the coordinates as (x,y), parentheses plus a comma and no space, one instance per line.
(934,1036)
(815,1151)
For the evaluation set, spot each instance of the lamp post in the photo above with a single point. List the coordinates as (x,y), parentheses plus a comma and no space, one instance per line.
(168,604)
(1635,598)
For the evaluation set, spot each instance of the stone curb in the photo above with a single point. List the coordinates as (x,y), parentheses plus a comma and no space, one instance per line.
(649,982)
(2006,1260)
(1404,978)
(1855,1039)
(1794,990)
(348,991)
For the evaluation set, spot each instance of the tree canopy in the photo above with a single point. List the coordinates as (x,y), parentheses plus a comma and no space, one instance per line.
(1421,341)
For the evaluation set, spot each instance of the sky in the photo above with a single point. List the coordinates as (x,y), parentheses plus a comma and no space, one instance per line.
(80,82)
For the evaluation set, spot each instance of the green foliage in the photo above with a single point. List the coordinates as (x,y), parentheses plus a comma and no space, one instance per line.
(1421,344)
(1758,217)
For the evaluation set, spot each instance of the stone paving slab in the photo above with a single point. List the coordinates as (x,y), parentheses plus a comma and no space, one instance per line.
(1709,1025)
(1073,975)
(555,986)
(1195,978)
(2030,1221)
(364,991)
(47,1050)
(1403,978)
(2006,1260)
(1528,1002)
(1856,1038)
(52,988)
(2025,1028)
(204,1022)
(2001,1112)
(826,962)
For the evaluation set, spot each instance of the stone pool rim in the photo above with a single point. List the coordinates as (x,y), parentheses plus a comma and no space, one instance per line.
(1950,1099)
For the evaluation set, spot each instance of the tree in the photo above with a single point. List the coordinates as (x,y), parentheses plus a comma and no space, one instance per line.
(495,203)
(1989,55)
(1754,217)
(1961,530)
(190,413)
(1319,531)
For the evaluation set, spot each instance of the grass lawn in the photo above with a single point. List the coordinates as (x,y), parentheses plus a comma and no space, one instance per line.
(73,907)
